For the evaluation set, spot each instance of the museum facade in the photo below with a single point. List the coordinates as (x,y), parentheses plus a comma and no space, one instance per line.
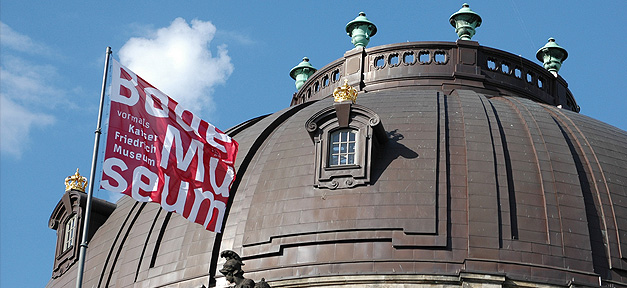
(418,164)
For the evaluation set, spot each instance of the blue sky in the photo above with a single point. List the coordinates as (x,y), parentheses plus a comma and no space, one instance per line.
(229,61)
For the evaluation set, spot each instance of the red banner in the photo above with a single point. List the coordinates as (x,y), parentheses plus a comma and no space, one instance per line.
(159,152)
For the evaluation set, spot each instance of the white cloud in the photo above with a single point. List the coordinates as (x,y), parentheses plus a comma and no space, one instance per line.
(14,40)
(30,84)
(24,89)
(16,124)
(236,37)
(178,61)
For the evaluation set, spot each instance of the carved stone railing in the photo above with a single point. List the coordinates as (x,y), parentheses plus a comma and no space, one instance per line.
(321,84)
(439,65)
(515,73)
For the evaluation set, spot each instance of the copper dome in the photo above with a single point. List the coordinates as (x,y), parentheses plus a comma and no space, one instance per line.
(485,176)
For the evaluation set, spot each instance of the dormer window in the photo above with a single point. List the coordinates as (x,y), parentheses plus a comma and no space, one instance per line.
(343,146)
(67,220)
(345,137)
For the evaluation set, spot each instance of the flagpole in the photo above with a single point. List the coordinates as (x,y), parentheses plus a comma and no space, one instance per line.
(92,176)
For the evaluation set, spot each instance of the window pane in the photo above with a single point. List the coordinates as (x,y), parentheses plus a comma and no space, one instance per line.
(342,147)
(70,229)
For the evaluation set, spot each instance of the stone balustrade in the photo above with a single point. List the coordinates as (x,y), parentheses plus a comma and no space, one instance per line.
(439,65)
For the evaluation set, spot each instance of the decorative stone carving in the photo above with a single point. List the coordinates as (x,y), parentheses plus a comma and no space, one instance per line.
(232,270)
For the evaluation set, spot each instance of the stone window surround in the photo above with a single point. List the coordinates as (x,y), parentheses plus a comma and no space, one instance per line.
(68,207)
(369,135)
(72,204)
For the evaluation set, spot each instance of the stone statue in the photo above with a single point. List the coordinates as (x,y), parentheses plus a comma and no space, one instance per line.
(232,270)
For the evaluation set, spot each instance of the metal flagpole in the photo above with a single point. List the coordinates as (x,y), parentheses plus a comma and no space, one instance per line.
(90,192)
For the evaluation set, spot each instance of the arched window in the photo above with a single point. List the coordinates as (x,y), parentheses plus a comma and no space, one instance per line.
(343,146)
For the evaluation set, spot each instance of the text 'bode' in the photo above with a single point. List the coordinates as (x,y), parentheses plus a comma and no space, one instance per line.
(159,152)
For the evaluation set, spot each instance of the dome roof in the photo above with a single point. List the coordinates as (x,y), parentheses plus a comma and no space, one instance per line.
(466,182)
(482,175)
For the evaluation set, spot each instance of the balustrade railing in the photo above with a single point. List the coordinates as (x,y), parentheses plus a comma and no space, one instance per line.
(439,64)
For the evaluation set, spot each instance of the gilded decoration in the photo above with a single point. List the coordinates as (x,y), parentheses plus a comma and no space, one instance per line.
(345,93)
(75,182)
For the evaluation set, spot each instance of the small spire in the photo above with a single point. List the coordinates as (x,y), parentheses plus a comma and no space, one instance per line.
(465,21)
(302,72)
(75,182)
(552,56)
(345,93)
(360,30)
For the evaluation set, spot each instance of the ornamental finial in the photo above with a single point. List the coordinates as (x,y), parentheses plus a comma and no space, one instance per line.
(360,30)
(75,182)
(552,56)
(301,72)
(345,92)
(465,21)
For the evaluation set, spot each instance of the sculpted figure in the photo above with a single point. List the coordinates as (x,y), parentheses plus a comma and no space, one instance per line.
(233,272)
(262,284)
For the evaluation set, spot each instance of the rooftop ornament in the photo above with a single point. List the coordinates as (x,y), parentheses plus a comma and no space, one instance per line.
(552,56)
(345,93)
(302,72)
(465,21)
(232,270)
(360,30)
(75,182)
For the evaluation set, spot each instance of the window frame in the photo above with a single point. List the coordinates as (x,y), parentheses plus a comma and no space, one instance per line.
(355,151)
(69,243)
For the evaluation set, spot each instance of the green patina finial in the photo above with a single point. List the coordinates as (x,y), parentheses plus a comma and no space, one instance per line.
(360,30)
(301,72)
(552,56)
(465,21)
